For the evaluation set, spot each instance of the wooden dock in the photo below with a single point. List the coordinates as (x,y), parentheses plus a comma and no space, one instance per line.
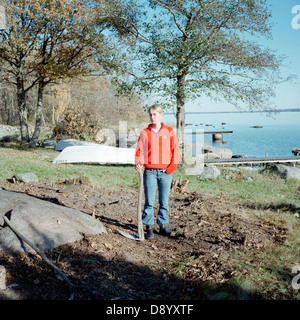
(208,132)
(253,161)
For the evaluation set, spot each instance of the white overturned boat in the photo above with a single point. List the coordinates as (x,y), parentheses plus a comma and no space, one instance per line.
(94,153)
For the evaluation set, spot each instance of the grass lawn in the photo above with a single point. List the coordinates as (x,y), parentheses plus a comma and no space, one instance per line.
(268,197)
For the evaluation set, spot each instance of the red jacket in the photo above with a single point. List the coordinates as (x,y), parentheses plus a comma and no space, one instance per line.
(158,150)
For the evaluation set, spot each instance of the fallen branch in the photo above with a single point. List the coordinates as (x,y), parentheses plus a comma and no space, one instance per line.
(71,285)
(68,188)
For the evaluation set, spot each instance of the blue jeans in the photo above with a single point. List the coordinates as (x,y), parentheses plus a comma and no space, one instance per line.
(152,179)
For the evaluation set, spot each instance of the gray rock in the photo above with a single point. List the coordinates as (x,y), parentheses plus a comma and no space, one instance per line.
(8,130)
(249,168)
(62,144)
(214,152)
(45,224)
(210,172)
(230,169)
(237,156)
(49,143)
(296,151)
(11,138)
(26,177)
(286,172)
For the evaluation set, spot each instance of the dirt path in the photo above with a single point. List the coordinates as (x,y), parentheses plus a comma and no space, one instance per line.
(114,267)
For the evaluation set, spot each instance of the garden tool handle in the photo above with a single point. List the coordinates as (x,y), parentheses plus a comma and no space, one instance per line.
(139,209)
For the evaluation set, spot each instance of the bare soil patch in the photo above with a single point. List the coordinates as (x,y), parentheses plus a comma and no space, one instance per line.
(115,267)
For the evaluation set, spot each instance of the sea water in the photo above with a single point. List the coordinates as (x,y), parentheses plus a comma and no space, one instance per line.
(278,135)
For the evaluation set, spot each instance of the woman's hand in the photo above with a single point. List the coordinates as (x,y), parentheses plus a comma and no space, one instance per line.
(138,167)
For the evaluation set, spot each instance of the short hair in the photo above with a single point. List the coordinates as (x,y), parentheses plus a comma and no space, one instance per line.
(155,107)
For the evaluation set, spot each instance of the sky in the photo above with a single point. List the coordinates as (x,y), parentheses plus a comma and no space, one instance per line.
(286,41)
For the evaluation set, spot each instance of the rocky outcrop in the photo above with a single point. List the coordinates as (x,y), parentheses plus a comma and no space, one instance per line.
(49,143)
(286,172)
(296,151)
(25,177)
(210,172)
(218,153)
(47,225)
(8,130)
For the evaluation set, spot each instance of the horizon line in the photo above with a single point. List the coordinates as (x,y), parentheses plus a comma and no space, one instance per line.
(249,111)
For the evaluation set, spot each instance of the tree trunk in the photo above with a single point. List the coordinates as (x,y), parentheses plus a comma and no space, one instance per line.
(22,110)
(180,114)
(10,110)
(38,115)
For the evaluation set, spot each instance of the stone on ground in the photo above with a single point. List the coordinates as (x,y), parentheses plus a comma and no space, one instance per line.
(45,224)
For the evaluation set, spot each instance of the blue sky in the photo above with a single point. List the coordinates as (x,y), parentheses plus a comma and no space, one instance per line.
(286,41)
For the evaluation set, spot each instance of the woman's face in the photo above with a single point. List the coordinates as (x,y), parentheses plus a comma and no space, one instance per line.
(155,116)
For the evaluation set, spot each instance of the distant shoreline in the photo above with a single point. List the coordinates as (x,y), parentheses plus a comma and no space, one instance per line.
(253,111)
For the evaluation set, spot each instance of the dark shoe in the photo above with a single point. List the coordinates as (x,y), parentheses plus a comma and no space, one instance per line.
(149,233)
(164,231)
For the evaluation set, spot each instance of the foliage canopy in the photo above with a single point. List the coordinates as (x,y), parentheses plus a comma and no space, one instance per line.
(186,49)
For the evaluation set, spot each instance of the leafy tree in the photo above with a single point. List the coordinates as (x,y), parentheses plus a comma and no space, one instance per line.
(66,47)
(186,49)
(16,43)
(83,106)
(47,41)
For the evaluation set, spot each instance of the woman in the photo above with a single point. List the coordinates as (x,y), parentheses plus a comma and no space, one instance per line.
(157,150)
